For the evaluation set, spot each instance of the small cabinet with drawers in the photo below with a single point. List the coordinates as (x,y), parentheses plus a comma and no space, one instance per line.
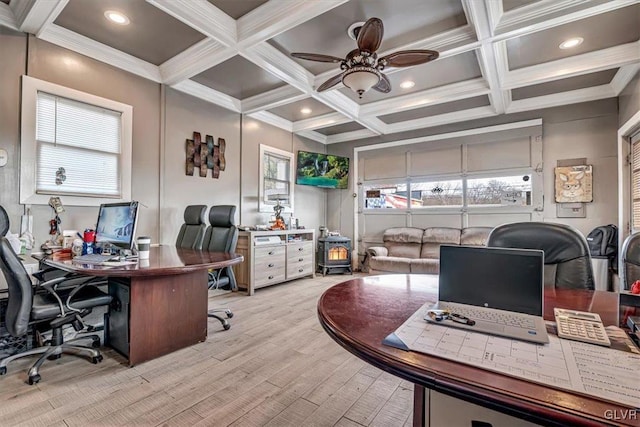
(274,257)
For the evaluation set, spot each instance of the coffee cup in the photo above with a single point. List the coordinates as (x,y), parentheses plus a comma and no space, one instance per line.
(143,243)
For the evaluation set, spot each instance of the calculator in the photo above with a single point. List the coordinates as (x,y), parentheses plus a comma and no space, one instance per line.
(581,326)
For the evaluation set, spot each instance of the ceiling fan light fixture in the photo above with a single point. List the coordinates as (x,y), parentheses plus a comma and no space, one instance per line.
(572,42)
(360,79)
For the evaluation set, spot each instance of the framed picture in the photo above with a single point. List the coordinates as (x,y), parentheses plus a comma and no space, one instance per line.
(574,184)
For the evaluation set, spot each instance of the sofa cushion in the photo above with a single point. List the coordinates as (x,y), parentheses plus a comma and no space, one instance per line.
(392,264)
(433,237)
(475,236)
(403,242)
(425,266)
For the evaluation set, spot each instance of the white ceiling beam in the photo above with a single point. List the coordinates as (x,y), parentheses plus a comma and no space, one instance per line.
(272,99)
(563,98)
(442,119)
(207,94)
(40,15)
(20,9)
(313,135)
(194,60)
(101,52)
(546,14)
(273,120)
(275,17)
(623,77)
(318,122)
(586,63)
(350,136)
(7,18)
(425,98)
(494,13)
(203,17)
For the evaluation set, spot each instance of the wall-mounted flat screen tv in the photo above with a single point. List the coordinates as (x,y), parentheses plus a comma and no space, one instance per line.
(322,170)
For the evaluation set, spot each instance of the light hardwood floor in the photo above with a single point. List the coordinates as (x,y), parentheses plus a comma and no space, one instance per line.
(274,367)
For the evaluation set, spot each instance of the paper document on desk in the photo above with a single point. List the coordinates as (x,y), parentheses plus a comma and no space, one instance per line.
(607,373)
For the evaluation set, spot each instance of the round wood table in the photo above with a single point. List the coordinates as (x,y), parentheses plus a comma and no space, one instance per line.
(361,312)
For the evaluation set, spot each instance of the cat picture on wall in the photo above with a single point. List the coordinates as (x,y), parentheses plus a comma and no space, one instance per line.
(574,184)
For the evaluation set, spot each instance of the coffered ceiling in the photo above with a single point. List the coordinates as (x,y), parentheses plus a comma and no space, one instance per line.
(496,56)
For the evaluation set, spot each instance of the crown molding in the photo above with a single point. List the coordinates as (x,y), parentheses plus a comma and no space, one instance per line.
(7,18)
(494,13)
(374,124)
(623,77)
(273,120)
(586,63)
(203,17)
(315,136)
(339,102)
(280,65)
(207,94)
(273,18)
(274,98)
(544,14)
(322,121)
(564,98)
(101,52)
(442,119)
(20,10)
(40,15)
(194,60)
(478,17)
(350,136)
(425,98)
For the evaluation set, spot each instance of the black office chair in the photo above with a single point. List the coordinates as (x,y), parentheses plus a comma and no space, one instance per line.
(58,308)
(630,271)
(191,234)
(4,222)
(566,254)
(222,236)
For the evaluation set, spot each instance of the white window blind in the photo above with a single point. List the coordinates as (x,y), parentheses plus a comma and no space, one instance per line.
(635,183)
(79,148)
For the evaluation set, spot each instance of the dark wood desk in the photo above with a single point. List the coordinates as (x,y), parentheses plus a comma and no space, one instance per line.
(161,303)
(360,313)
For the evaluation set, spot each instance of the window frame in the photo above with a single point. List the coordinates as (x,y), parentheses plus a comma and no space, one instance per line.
(28,144)
(265,206)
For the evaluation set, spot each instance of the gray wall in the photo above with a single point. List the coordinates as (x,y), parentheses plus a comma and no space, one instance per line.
(582,130)
(629,100)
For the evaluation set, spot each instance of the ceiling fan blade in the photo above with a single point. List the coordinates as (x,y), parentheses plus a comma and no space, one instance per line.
(317,57)
(384,85)
(408,58)
(370,35)
(330,83)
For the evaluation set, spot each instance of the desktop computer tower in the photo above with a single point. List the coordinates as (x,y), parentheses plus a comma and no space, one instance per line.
(117,319)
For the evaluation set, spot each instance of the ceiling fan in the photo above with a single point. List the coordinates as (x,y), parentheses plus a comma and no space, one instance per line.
(362,69)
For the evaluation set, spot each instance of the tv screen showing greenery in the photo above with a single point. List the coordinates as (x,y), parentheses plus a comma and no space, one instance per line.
(322,170)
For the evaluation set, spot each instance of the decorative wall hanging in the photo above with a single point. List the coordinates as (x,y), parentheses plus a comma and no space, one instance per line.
(205,155)
(574,184)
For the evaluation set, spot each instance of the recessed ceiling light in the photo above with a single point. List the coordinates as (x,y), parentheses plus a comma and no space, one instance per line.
(407,84)
(306,110)
(116,17)
(568,44)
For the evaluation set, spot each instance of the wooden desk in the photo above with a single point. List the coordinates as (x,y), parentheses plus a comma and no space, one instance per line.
(360,313)
(162,303)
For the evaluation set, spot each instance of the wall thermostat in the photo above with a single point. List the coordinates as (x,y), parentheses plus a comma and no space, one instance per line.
(4,157)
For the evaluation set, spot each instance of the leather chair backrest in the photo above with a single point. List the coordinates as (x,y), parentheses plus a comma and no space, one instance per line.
(18,311)
(566,254)
(4,222)
(222,233)
(191,234)
(630,261)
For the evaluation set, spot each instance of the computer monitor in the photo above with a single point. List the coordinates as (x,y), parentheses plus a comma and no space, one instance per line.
(117,224)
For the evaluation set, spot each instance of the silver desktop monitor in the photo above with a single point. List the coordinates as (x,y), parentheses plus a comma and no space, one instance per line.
(117,224)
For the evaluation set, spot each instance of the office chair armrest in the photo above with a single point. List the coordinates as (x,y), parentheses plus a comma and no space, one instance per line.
(77,288)
(50,286)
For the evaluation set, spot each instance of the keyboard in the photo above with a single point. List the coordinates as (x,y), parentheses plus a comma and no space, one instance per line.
(495,316)
(94,258)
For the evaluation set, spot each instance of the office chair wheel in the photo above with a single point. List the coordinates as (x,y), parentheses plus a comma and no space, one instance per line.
(95,343)
(3,370)
(97,359)
(226,326)
(229,315)
(34,379)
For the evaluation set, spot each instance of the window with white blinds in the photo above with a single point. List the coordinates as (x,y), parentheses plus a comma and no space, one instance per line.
(635,183)
(76,140)
(73,144)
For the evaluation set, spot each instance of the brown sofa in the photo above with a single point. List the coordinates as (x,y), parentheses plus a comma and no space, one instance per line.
(417,250)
